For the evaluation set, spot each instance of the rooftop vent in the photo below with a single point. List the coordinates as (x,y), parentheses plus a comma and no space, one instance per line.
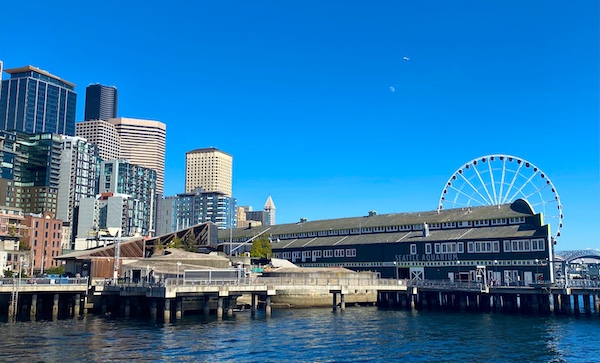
(425,230)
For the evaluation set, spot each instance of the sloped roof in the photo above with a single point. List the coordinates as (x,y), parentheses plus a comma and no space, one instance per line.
(518,208)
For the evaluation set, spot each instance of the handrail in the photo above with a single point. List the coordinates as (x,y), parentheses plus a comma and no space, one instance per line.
(44,281)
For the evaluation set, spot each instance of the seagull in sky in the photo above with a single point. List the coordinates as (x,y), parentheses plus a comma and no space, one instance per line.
(406,58)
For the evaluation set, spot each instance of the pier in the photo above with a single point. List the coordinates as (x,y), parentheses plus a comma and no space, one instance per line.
(33,297)
(173,298)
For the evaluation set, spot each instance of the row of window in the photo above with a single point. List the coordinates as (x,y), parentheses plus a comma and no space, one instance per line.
(346,252)
(397,228)
(467,264)
(521,245)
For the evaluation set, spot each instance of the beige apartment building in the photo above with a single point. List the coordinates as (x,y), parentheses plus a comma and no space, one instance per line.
(104,135)
(209,169)
(143,143)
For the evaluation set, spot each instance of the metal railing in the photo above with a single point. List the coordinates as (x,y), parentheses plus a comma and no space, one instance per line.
(44,281)
(250,281)
(324,282)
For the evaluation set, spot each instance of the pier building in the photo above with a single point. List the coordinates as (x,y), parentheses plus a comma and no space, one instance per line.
(505,244)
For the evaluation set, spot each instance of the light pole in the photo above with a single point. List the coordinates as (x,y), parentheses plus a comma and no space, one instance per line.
(458,270)
(495,270)
(537,266)
(396,270)
(178,264)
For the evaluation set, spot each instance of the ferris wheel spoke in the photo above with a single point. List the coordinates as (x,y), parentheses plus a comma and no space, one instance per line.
(474,189)
(471,186)
(458,191)
(492,182)
(520,190)
(502,181)
(537,191)
(483,184)
(512,183)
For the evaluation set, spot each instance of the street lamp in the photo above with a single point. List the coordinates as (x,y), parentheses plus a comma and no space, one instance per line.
(458,270)
(537,266)
(396,270)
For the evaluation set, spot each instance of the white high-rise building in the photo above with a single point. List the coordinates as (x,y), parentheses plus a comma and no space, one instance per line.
(77,179)
(209,169)
(104,135)
(143,143)
(269,212)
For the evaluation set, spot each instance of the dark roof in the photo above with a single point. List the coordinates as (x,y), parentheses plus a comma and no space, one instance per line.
(518,208)
(483,233)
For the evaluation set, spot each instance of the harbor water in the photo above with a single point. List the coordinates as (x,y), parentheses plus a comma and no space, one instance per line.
(359,334)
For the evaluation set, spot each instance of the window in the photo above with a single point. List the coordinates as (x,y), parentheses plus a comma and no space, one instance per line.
(428,248)
(328,253)
(351,252)
(413,249)
(339,253)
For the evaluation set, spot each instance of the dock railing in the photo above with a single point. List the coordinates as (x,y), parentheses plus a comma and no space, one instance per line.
(44,281)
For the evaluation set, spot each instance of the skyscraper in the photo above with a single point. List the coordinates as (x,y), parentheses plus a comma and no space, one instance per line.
(143,143)
(120,177)
(104,135)
(36,172)
(35,101)
(100,102)
(79,166)
(269,212)
(209,169)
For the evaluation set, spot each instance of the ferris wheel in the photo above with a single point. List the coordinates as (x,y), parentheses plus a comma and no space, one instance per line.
(500,179)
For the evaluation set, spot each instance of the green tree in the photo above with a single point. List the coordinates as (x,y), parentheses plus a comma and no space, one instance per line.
(189,243)
(60,270)
(175,242)
(261,247)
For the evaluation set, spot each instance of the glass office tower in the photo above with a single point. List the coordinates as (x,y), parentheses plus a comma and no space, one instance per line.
(100,102)
(35,101)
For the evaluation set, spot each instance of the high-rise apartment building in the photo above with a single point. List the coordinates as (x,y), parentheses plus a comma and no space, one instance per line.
(143,143)
(102,134)
(137,182)
(79,165)
(189,209)
(100,102)
(8,147)
(35,101)
(209,169)
(36,173)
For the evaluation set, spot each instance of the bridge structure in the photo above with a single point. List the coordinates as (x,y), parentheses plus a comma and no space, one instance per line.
(174,297)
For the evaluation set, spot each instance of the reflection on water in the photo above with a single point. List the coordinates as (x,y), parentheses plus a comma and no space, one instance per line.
(360,334)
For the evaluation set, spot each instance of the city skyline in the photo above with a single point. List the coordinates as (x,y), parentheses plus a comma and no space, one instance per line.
(338,109)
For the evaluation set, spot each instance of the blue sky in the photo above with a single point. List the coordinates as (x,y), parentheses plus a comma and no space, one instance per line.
(317,105)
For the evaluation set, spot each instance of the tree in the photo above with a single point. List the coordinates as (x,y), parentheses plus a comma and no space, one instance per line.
(175,242)
(261,247)
(60,270)
(189,243)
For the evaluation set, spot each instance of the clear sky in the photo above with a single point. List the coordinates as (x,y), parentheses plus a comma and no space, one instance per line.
(317,105)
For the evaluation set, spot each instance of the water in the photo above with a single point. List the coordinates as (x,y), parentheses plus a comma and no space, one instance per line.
(359,334)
